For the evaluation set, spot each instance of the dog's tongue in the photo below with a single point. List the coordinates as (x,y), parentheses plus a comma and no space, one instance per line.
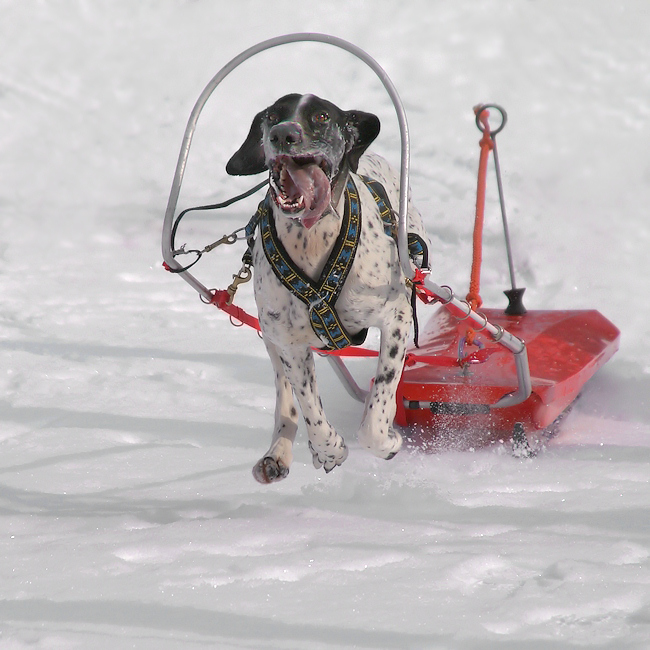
(312,183)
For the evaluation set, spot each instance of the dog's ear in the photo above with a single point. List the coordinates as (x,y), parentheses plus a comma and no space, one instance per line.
(362,128)
(249,159)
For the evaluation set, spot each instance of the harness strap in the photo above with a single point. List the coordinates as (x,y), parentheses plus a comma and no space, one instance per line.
(320,296)
(416,245)
(383,205)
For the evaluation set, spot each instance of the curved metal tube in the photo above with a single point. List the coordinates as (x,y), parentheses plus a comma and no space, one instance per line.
(499,334)
(221,75)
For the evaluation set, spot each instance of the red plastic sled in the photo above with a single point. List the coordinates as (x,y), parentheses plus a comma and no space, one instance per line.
(447,402)
(453,385)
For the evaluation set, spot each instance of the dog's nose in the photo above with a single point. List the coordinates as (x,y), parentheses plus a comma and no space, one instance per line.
(286,134)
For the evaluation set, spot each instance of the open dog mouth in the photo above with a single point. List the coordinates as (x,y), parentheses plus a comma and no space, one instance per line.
(300,186)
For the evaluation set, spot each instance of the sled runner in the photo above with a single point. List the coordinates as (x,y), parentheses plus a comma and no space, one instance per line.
(473,377)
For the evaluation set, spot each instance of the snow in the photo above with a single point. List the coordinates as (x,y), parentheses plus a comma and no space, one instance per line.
(131,414)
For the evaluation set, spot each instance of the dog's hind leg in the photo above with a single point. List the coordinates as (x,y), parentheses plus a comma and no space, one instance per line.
(274,465)
(376,432)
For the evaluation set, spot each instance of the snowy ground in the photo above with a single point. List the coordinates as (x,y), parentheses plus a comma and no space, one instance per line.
(131,414)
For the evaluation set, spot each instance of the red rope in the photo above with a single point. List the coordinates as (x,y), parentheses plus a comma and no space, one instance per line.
(425,295)
(220,299)
(486,144)
(452,362)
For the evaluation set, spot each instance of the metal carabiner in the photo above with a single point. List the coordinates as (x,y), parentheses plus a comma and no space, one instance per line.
(462,357)
(244,275)
(226,239)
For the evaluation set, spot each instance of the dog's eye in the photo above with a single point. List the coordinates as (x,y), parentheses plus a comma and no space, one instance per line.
(273,118)
(321,118)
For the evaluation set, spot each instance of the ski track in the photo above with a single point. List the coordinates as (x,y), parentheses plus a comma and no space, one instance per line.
(131,414)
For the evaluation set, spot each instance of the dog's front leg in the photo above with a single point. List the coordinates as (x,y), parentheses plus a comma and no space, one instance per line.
(327,447)
(274,465)
(376,432)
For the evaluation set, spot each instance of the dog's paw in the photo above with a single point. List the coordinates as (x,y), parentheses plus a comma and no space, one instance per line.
(329,459)
(391,445)
(270,470)
(384,447)
(395,442)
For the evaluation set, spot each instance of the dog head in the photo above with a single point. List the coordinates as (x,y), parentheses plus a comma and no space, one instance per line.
(308,145)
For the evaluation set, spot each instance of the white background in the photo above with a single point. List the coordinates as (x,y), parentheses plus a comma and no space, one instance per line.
(131,414)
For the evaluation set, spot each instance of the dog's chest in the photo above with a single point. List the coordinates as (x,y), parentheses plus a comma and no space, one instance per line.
(310,248)
(374,280)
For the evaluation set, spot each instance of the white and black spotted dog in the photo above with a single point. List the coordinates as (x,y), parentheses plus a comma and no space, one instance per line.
(313,151)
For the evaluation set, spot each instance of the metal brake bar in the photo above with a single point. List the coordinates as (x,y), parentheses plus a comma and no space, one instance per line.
(499,335)
(346,378)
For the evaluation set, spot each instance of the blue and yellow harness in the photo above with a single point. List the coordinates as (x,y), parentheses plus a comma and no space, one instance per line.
(320,295)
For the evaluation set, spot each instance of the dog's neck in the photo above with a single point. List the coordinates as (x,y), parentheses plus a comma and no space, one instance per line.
(310,248)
